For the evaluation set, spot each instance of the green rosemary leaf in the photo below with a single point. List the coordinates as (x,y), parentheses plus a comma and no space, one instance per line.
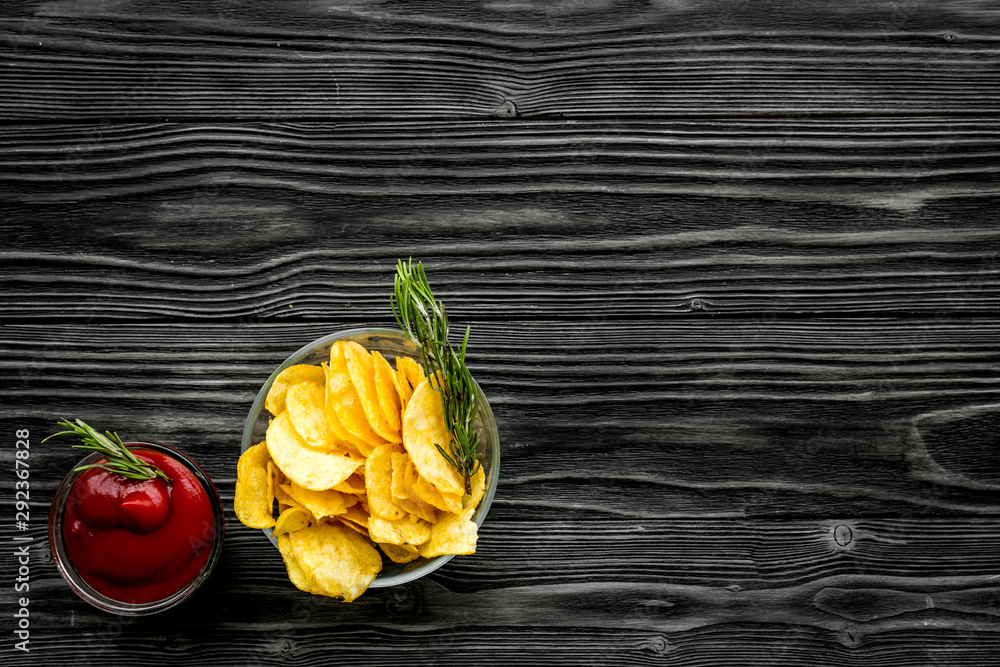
(120,460)
(425,321)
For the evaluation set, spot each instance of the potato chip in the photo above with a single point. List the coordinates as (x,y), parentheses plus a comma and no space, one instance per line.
(275,401)
(292,519)
(281,488)
(478,483)
(356,517)
(418,508)
(427,492)
(356,513)
(403,385)
(306,405)
(299,577)
(378,484)
(354,485)
(423,428)
(410,476)
(342,396)
(413,371)
(283,493)
(452,534)
(401,532)
(399,554)
(322,503)
(312,468)
(418,505)
(388,393)
(254,498)
(362,446)
(270,475)
(398,380)
(277,477)
(361,368)
(361,530)
(342,562)
(350,441)
(400,489)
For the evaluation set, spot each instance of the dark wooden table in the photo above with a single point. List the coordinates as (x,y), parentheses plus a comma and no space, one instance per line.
(731,269)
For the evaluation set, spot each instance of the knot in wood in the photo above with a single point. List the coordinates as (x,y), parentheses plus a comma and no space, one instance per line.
(658,645)
(403,601)
(849,639)
(843,535)
(507,109)
(697,304)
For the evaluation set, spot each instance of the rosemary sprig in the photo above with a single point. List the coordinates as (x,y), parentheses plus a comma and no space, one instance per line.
(426,322)
(119,459)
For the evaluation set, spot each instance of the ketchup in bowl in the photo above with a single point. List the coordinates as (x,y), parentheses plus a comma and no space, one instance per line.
(137,546)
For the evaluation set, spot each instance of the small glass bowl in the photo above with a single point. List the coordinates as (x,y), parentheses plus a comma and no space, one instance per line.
(390,343)
(85,590)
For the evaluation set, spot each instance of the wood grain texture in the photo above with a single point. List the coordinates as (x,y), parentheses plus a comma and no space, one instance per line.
(731,270)
(583,220)
(353,58)
(896,164)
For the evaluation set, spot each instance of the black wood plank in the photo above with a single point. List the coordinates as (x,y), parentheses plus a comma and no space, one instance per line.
(581,220)
(92,59)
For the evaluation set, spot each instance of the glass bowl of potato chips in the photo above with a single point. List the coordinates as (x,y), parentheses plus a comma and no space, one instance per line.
(339,466)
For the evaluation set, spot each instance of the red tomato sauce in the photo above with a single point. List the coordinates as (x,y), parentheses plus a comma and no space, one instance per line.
(138,541)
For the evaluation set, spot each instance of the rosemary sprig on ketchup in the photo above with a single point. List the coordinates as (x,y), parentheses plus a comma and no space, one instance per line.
(138,525)
(119,459)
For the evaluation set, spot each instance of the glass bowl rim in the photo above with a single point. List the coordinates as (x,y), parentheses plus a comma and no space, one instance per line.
(84,590)
(432,564)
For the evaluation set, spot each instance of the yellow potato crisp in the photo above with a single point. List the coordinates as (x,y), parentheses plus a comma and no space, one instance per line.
(400,489)
(299,577)
(354,485)
(312,468)
(424,428)
(427,492)
(342,395)
(387,387)
(322,503)
(413,371)
(340,560)
(378,484)
(402,531)
(275,401)
(453,534)
(254,492)
(478,483)
(361,368)
(419,509)
(356,517)
(306,405)
(403,385)
(283,493)
(348,440)
(292,519)
(399,554)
